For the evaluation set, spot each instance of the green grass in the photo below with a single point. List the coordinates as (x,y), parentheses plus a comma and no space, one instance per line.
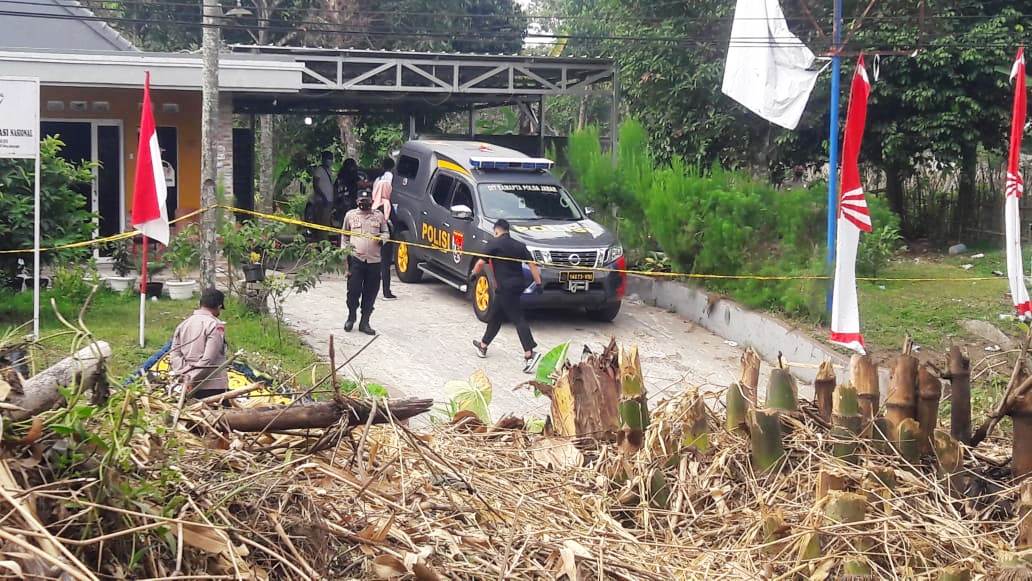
(114,318)
(931,312)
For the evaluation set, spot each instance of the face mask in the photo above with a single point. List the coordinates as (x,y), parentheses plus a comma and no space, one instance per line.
(365,205)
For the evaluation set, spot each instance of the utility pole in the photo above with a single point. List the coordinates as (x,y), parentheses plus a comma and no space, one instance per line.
(833,142)
(211,41)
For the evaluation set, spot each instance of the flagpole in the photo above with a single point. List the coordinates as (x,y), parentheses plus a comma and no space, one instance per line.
(143,289)
(37,218)
(833,141)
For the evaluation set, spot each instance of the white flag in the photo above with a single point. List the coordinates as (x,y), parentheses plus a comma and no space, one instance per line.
(768,67)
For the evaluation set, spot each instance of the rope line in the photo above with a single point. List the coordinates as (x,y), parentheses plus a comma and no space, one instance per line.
(464,252)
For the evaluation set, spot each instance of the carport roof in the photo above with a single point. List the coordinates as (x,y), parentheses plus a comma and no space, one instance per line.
(355,80)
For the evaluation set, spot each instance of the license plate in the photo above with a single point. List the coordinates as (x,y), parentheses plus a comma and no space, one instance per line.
(576,276)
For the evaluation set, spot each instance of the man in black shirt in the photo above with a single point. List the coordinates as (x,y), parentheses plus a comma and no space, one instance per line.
(507,256)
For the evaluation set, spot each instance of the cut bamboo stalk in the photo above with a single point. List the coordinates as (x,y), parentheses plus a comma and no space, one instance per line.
(881,435)
(809,547)
(765,434)
(634,407)
(950,458)
(880,483)
(845,424)
(782,392)
(774,529)
(1024,540)
(929,390)
(906,440)
(863,374)
(737,407)
(1021,415)
(696,426)
(845,508)
(659,490)
(750,374)
(955,573)
(829,479)
(902,401)
(960,395)
(824,387)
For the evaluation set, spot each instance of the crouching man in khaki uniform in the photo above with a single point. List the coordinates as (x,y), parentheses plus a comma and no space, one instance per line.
(198,353)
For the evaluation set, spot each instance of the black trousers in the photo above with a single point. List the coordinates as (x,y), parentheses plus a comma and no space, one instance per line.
(509,307)
(363,284)
(386,260)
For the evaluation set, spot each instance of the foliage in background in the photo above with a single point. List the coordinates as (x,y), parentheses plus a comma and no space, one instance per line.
(717,221)
(183,252)
(64,217)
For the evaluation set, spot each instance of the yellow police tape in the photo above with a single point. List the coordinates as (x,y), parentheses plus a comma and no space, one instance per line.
(647,273)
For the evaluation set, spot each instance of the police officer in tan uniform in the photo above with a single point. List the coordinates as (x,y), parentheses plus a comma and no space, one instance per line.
(365,230)
(198,353)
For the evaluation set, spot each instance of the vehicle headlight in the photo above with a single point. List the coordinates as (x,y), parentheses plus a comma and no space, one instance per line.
(615,251)
(540,256)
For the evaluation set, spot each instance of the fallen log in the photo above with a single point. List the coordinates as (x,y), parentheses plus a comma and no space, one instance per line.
(41,392)
(319,415)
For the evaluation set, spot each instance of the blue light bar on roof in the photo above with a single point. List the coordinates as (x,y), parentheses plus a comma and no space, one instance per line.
(516,163)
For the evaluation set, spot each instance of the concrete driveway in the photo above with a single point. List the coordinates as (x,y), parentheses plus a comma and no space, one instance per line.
(425,341)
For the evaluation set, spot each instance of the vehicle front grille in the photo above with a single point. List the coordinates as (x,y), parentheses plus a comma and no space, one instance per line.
(574,259)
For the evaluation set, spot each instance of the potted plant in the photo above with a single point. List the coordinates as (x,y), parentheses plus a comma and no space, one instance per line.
(182,256)
(254,271)
(122,263)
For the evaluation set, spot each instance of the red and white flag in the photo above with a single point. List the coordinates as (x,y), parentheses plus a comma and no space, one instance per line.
(1015,187)
(853,217)
(150,214)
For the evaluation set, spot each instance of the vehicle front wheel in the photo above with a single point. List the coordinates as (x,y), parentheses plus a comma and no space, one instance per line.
(483,293)
(606,314)
(405,261)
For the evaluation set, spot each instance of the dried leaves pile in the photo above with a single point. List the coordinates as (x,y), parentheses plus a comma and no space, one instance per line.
(463,501)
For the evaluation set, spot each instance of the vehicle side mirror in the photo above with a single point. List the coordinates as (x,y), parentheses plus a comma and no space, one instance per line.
(462,212)
(588,210)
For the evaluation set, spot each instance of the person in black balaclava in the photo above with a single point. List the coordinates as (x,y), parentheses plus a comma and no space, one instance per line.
(322,193)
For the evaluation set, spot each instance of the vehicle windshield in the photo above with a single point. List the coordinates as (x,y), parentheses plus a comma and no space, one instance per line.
(528,202)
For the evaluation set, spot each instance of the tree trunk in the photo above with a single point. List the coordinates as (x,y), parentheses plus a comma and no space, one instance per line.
(211,43)
(319,415)
(894,192)
(41,392)
(266,163)
(967,195)
(348,137)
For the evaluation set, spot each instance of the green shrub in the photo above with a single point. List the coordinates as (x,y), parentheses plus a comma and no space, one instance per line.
(721,222)
(64,217)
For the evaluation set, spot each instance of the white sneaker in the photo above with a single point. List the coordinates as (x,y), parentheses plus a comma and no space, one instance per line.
(531,363)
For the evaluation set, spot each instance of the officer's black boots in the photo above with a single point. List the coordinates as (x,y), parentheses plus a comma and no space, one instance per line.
(350,323)
(364,326)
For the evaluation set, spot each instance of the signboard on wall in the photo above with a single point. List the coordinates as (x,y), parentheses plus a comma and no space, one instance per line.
(19,118)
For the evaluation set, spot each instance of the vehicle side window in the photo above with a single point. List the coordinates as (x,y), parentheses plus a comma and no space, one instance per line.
(408,166)
(442,189)
(463,196)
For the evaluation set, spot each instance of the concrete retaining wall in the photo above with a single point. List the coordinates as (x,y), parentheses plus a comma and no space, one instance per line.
(765,334)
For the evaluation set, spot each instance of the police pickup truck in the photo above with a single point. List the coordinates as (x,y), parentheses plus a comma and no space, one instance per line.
(447,196)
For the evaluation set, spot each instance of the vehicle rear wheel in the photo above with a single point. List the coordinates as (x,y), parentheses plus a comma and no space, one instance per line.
(606,314)
(405,260)
(483,293)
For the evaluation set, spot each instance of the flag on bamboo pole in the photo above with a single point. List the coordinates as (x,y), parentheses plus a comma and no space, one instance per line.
(853,218)
(150,214)
(1014,189)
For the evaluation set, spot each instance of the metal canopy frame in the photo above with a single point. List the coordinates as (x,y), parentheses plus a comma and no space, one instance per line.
(355,81)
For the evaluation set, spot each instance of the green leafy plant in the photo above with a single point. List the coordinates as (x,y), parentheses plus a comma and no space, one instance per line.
(472,395)
(63,216)
(876,249)
(552,362)
(182,254)
(121,256)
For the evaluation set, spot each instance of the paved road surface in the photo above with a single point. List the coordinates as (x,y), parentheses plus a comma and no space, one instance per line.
(426,340)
